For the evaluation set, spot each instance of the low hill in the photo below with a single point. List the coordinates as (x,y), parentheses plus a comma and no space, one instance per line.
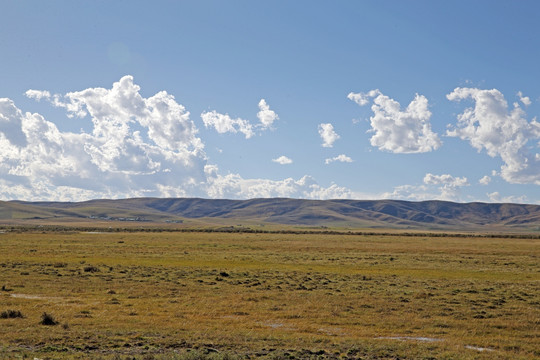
(436,215)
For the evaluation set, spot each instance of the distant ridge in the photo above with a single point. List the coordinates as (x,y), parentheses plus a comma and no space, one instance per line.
(442,215)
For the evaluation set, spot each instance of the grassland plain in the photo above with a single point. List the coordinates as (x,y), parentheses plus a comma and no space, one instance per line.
(276,296)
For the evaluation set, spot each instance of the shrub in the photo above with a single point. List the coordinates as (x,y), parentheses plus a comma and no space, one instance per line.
(48,319)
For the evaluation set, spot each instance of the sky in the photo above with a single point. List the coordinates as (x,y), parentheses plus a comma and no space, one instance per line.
(411,100)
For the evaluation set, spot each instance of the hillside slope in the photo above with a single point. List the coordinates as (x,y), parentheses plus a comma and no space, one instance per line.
(340,213)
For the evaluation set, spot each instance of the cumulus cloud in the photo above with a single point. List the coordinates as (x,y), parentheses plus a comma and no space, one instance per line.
(363,98)
(412,193)
(491,126)
(137,147)
(328,135)
(223,123)
(38,94)
(496,197)
(524,99)
(398,131)
(283,160)
(435,187)
(446,179)
(234,186)
(265,115)
(340,158)
(12,136)
(485,180)
(448,185)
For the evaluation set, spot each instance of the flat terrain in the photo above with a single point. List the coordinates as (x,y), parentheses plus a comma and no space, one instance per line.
(276,296)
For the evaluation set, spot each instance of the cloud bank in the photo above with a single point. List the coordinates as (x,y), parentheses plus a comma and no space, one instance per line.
(137,147)
(496,197)
(234,186)
(435,187)
(149,146)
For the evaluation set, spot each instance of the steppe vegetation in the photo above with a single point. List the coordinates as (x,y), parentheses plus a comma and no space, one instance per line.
(190,295)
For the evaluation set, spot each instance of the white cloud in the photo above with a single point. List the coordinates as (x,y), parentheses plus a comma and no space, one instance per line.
(283,160)
(38,94)
(265,115)
(340,158)
(234,186)
(328,135)
(496,197)
(12,135)
(446,180)
(436,187)
(485,180)
(412,193)
(223,123)
(363,98)
(399,131)
(449,186)
(137,147)
(524,99)
(490,125)
(423,193)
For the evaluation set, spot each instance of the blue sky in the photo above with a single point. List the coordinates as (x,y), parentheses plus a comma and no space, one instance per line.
(411,100)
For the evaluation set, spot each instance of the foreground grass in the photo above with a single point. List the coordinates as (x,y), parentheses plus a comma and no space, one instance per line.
(275,296)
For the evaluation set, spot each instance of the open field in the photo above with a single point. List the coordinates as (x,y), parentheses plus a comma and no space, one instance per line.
(275,296)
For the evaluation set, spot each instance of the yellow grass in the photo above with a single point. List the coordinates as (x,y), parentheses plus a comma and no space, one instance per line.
(269,295)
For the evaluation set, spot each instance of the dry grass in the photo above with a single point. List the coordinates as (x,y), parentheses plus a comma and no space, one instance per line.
(158,295)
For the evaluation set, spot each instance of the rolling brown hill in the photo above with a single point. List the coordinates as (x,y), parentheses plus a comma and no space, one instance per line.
(435,215)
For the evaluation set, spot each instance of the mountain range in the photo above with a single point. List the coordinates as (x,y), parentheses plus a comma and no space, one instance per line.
(278,212)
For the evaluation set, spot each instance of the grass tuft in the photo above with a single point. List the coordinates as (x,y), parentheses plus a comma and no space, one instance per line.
(91,268)
(11,314)
(48,319)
